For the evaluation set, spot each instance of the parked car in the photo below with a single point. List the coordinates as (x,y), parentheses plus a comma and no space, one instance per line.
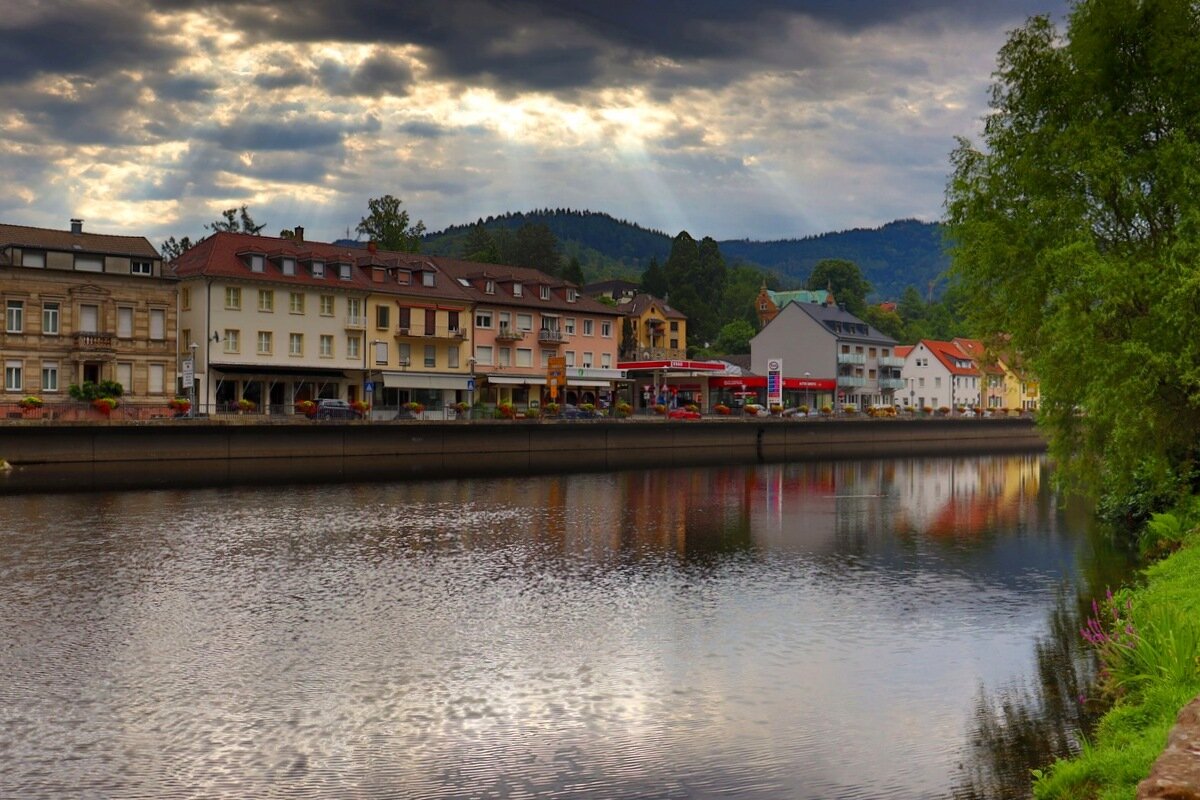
(683,413)
(568,411)
(328,408)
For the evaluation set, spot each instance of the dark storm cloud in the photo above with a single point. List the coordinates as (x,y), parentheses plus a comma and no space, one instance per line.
(284,134)
(423,130)
(72,38)
(560,45)
(381,74)
(102,113)
(183,88)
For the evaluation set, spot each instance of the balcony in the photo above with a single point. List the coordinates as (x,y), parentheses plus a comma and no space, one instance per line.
(92,342)
(509,334)
(457,334)
(851,380)
(550,336)
(852,358)
(891,361)
(891,384)
(356,323)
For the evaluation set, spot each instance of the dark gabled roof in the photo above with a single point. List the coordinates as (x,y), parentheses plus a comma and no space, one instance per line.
(639,303)
(475,275)
(68,242)
(613,285)
(842,323)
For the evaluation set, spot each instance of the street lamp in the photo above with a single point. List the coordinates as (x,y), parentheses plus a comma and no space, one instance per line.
(808,391)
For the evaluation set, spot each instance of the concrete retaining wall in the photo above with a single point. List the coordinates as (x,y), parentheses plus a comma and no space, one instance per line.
(183,453)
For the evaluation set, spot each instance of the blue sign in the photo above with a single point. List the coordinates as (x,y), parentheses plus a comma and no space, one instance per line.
(369,387)
(470,384)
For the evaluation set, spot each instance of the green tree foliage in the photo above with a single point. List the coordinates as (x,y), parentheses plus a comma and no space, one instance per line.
(388,225)
(654,279)
(1074,230)
(537,247)
(845,279)
(172,249)
(573,272)
(735,337)
(628,340)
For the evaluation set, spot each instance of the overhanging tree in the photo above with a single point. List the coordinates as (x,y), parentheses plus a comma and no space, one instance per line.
(1074,229)
(388,225)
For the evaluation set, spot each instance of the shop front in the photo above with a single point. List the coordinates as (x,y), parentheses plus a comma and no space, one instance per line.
(275,390)
(670,383)
(434,391)
(737,391)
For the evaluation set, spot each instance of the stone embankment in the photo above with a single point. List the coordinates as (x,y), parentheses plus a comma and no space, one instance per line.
(1176,773)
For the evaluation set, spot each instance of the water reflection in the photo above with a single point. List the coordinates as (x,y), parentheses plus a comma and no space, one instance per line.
(771,631)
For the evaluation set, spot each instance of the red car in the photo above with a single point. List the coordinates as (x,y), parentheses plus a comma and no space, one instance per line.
(682,413)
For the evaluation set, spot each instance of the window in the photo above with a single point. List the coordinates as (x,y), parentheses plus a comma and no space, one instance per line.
(428,279)
(353,308)
(606,329)
(89,318)
(327,305)
(871,352)
(524,357)
(232,341)
(483,355)
(49,376)
(505,356)
(405,354)
(489,287)
(885,352)
(544,292)
(452,321)
(33,258)
(518,290)
(674,326)
(381,317)
(265,343)
(430,322)
(588,326)
(326,345)
(674,344)
(158,324)
(605,360)
(569,358)
(845,348)
(141,268)
(524,322)
(546,355)
(483,319)
(14,316)
(125,376)
(296,302)
(295,344)
(256,263)
(89,264)
(49,319)
(318,269)
(185,298)
(233,298)
(569,326)
(381,352)
(937,382)
(156,379)
(13,381)
(430,356)
(288,266)
(452,358)
(505,321)
(266,300)
(587,360)
(344,272)
(403,277)
(124,322)
(572,295)
(921,382)
(352,346)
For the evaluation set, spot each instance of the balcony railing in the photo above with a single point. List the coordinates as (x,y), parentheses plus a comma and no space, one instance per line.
(356,323)
(891,361)
(549,336)
(851,358)
(90,340)
(435,333)
(891,383)
(509,334)
(851,380)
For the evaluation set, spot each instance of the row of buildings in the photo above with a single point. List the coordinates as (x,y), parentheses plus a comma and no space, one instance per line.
(275,321)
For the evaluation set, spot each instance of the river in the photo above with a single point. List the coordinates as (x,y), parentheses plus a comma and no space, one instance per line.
(863,629)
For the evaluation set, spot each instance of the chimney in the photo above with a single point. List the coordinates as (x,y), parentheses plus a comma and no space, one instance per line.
(298,235)
(76,226)
(372,248)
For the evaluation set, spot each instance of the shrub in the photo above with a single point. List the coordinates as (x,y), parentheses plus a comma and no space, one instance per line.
(245,404)
(776,409)
(89,391)
(623,410)
(551,408)
(506,411)
(659,408)
(104,405)
(826,409)
(849,408)
(926,409)
(361,406)
(414,407)
(306,407)
(693,407)
(588,408)
(943,410)
(722,409)
(803,408)
(533,412)
(30,402)
(461,408)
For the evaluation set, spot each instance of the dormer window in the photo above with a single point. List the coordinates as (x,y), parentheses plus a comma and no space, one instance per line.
(518,290)
(489,287)
(572,295)
(141,268)
(288,266)
(344,272)
(256,263)
(544,292)
(318,269)
(428,279)
(33,258)
(403,277)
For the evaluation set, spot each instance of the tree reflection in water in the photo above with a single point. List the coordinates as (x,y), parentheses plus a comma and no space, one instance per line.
(1018,728)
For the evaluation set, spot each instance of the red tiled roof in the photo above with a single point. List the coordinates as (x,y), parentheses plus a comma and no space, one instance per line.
(98,243)
(504,276)
(947,353)
(902,350)
(639,303)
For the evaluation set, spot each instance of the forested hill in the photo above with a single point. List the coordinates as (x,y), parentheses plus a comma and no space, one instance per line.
(892,257)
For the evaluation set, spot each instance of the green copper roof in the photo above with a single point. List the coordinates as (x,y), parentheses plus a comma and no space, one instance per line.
(780,299)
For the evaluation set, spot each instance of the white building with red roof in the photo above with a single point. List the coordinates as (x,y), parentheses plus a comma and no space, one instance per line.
(939,375)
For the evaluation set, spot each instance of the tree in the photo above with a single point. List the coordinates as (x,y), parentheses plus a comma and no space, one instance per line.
(1074,231)
(537,247)
(388,225)
(235,220)
(654,280)
(845,279)
(172,249)
(480,245)
(573,272)
(735,337)
(628,340)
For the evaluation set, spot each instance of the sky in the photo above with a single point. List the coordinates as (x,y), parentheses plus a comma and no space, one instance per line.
(759,120)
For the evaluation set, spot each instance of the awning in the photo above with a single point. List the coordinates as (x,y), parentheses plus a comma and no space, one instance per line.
(520,380)
(574,382)
(301,373)
(423,380)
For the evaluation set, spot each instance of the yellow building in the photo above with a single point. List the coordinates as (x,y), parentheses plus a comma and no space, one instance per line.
(657,330)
